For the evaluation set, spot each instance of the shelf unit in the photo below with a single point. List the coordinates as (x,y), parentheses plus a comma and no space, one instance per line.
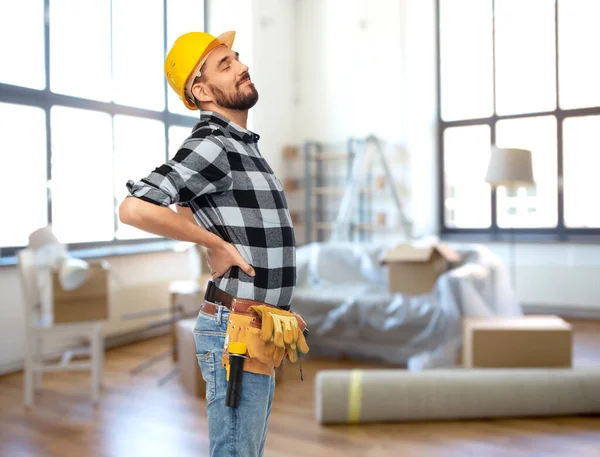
(325,179)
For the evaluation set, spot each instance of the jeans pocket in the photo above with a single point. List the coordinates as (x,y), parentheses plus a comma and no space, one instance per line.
(206,360)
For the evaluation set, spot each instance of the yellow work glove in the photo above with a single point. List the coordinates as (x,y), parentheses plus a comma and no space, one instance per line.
(292,354)
(266,313)
(281,328)
(287,337)
(285,330)
(275,353)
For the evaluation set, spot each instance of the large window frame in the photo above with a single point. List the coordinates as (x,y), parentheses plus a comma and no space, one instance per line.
(495,232)
(46,99)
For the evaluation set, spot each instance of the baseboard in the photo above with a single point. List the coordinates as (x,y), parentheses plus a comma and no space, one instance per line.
(582,312)
(124,339)
(12,367)
(110,342)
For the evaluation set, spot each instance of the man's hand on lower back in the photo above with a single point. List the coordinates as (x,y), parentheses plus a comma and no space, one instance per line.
(224,256)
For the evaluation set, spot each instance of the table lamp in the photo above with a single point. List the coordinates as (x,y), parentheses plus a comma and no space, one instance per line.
(50,252)
(511,168)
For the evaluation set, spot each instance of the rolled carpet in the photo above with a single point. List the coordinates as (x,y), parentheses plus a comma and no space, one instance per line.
(390,395)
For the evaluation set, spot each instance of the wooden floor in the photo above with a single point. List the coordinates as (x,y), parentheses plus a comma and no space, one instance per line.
(139,418)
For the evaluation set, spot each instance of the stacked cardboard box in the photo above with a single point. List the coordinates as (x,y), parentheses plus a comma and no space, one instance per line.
(88,302)
(189,369)
(521,341)
(413,270)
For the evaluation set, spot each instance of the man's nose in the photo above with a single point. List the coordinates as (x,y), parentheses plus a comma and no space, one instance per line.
(243,68)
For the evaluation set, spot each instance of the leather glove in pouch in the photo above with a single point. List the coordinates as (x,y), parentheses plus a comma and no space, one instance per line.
(282,331)
(244,327)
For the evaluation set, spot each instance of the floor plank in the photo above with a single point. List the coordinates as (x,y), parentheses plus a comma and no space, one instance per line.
(137,417)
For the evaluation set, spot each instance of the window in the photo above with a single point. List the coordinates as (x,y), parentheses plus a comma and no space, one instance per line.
(132,135)
(87,110)
(22,22)
(464,145)
(519,74)
(81,190)
(23,165)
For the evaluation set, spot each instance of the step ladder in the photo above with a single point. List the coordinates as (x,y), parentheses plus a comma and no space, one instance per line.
(371,149)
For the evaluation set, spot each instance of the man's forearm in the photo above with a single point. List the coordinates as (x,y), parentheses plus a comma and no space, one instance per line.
(162,221)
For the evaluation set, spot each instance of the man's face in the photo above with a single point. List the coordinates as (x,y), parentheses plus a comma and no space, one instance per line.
(228,80)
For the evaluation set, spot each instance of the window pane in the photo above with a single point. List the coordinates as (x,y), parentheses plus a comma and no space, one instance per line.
(176,104)
(138,55)
(579,66)
(466,59)
(24,190)
(139,149)
(22,34)
(80,48)
(82,175)
(525,56)
(581,163)
(182,16)
(177,135)
(467,195)
(530,207)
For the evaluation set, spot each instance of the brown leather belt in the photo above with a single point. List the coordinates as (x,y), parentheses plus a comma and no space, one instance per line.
(215,295)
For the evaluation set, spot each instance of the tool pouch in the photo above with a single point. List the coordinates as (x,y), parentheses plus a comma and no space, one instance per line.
(245,325)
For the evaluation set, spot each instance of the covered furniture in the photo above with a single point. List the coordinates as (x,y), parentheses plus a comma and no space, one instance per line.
(41,326)
(343,295)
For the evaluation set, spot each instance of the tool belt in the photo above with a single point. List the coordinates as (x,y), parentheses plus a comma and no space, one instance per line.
(271,334)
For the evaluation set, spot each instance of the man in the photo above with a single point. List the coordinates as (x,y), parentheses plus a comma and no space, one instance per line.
(230,201)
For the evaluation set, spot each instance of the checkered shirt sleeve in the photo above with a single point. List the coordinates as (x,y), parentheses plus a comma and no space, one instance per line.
(199,167)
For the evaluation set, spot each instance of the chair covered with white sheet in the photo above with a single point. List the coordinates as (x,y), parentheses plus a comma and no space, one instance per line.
(40,328)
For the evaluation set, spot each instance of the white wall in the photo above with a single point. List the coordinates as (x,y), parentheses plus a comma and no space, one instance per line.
(265,40)
(555,275)
(351,69)
(369,68)
(225,15)
(273,71)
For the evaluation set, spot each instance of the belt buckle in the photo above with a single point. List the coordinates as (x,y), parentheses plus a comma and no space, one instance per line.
(209,295)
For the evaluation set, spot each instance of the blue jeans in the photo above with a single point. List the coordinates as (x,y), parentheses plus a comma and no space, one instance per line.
(232,432)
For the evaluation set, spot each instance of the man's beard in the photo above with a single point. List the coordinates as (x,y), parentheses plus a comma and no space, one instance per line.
(239,101)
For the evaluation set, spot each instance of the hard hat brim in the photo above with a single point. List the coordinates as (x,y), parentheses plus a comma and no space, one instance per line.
(225,39)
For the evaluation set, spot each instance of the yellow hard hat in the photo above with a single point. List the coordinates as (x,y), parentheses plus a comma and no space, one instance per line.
(186,57)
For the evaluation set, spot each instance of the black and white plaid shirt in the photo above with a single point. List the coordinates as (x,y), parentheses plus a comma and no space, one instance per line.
(219,173)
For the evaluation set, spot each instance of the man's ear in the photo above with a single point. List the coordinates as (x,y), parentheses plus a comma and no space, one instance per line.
(202,93)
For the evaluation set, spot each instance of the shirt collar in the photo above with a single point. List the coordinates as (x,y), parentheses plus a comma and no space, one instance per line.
(228,125)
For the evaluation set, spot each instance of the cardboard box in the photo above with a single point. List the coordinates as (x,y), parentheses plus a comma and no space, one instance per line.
(189,368)
(290,184)
(522,341)
(414,270)
(290,152)
(89,302)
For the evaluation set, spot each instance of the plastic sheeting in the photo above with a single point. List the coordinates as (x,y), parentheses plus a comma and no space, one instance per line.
(342,293)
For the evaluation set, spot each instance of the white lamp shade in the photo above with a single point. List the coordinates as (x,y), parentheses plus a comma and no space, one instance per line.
(42,237)
(48,250)
(73,273)
(510,167)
